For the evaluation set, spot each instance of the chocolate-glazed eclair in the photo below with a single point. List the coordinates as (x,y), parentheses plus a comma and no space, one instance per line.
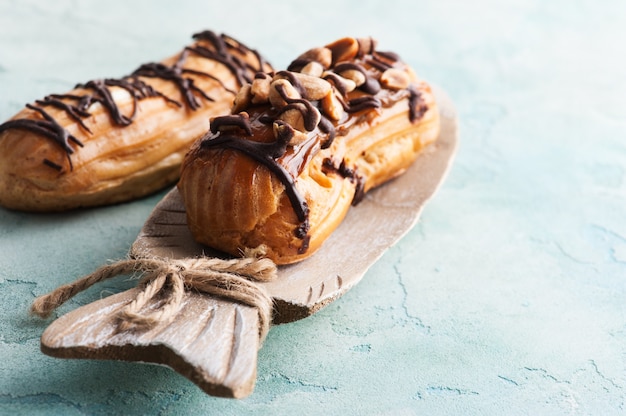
(303,145)
(111,140)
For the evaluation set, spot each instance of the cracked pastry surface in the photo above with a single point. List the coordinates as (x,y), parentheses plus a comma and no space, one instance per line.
(112,140)
(303,145)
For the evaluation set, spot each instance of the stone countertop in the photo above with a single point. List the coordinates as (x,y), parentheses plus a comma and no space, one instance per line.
(509,295)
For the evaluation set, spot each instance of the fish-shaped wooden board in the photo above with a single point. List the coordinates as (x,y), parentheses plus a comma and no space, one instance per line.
(214,341)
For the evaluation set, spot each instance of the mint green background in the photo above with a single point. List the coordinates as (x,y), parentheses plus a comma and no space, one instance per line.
(507,297)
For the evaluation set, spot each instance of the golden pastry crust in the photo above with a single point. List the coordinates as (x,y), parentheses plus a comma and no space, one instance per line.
(108,141)
(304,145)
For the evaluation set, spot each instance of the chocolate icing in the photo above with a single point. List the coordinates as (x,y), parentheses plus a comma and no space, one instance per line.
(336,80)
(321,131)
(77,105)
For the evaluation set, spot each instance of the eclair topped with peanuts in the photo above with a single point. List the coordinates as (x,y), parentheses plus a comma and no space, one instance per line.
(112,140)
(303,145)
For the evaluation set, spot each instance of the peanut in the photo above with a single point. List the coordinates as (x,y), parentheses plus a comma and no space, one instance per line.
(322,55)
(313,68)
(344,49)
(395,79)
(331,106)
(275,96)
(260,89)
(242,99)
(354,75)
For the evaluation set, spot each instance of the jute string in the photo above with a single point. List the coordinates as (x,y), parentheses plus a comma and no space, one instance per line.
(165,281)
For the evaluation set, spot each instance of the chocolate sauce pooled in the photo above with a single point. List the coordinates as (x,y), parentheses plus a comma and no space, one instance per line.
(226,131)
(77,105)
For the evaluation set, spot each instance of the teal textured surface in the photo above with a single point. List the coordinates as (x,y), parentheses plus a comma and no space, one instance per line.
(509,295)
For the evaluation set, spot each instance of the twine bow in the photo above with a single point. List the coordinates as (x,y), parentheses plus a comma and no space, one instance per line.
(166,280)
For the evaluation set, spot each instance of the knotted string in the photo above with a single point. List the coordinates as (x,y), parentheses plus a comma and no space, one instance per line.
(167,280)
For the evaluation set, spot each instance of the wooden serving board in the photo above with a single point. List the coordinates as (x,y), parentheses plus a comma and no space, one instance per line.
(214,342)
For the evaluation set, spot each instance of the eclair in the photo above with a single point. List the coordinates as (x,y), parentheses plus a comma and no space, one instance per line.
(301,146)
(112,140)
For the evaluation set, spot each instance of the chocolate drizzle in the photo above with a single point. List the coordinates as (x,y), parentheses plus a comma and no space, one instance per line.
(293,81)
(330,166)
(326,126)
(220,48)
(383,60)
(175,74)
(370,86)
(241,120)
(314,123)
(224,44)
(308,111)
(362,103)
(47,127)
(267,154)
(338,82)
(417,106)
